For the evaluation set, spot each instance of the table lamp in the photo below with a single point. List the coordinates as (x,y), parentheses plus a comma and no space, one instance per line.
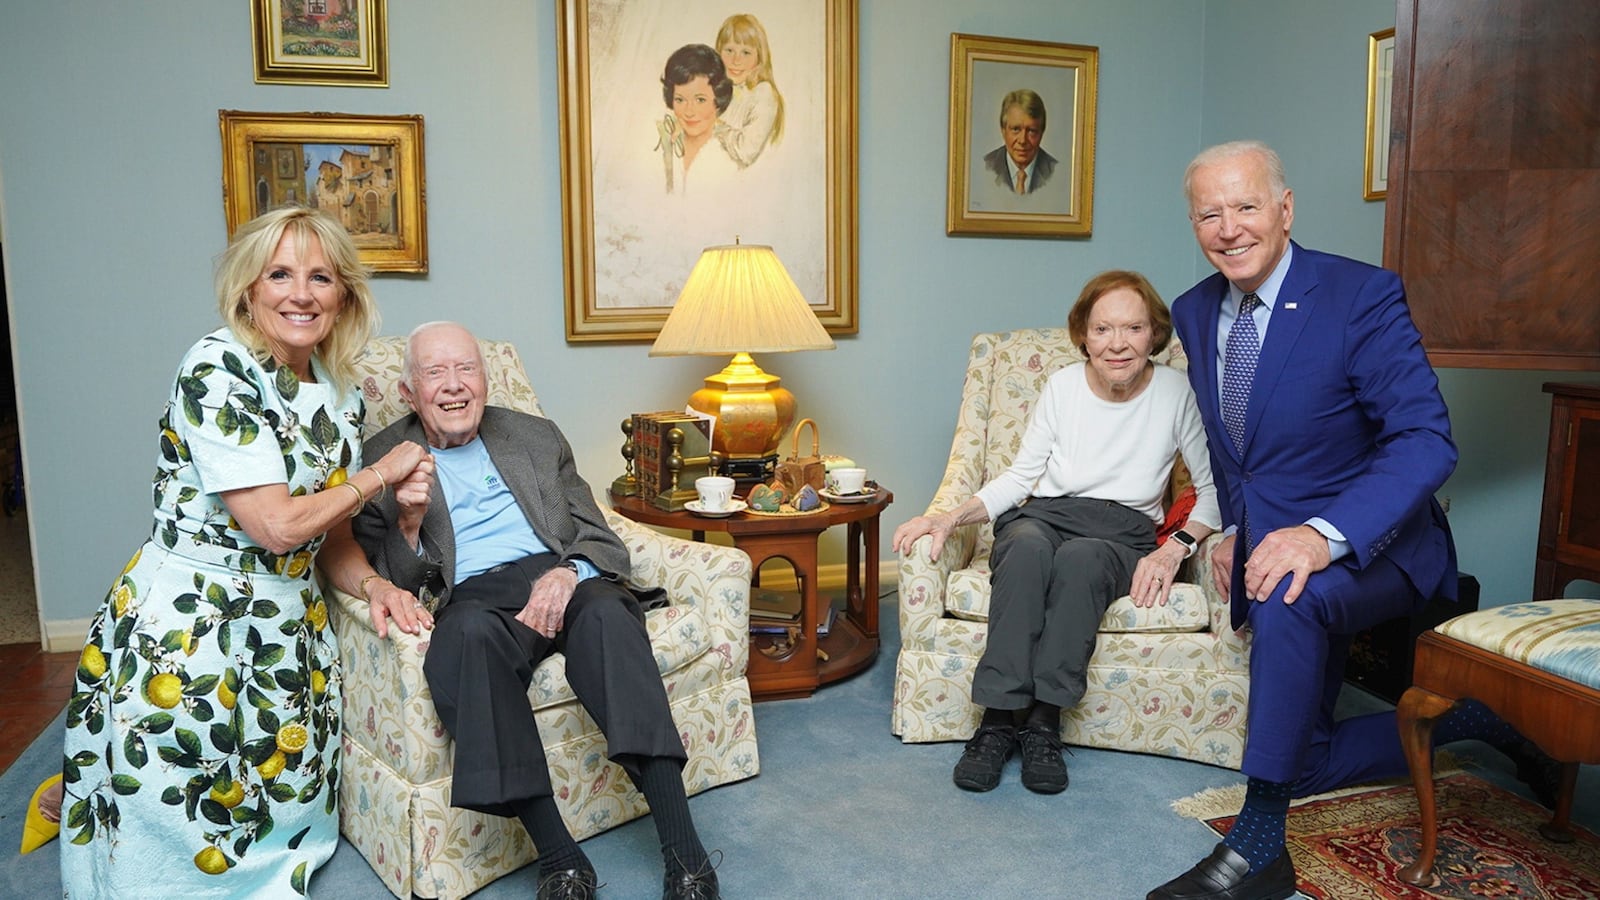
(739,299)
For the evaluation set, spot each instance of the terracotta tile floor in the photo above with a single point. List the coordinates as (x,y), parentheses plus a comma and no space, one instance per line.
(38,686)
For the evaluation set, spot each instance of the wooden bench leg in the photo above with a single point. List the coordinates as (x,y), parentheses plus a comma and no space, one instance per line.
(1559,829)
(1419,709)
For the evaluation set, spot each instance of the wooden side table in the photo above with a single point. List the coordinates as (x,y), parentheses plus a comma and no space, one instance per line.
(1569,521)
(779,668)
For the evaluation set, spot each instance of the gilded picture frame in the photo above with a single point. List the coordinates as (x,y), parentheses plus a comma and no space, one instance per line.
(1380,74)
(328,42)
(646,186)
(367,170)
(1031,102)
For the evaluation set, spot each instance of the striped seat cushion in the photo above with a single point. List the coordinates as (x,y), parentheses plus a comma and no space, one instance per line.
(1561,637)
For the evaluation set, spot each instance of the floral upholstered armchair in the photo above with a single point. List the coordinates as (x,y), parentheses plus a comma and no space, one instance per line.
(1171,680)
(395,789)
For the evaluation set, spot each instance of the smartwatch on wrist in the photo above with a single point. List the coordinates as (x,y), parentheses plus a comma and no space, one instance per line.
(1187,540)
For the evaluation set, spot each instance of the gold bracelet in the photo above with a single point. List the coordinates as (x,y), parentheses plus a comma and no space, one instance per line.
(361,499)
(362,587)
(383,483)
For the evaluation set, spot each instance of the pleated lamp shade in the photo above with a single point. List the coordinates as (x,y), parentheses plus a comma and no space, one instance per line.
(739,299)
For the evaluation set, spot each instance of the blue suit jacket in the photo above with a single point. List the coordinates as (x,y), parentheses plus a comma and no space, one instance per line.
(1345,419)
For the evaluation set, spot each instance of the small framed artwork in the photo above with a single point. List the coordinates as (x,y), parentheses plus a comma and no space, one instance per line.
(1380,72)
(331,42)
(366,170)
(1021,137)
(686,126)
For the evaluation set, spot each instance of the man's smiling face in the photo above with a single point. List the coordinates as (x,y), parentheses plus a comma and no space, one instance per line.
(445,385)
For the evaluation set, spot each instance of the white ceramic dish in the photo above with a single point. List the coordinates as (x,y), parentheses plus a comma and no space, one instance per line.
(861,497)
(733,507)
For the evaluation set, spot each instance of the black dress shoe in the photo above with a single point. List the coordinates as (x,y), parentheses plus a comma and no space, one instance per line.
(1536,769)
(1224,876)
(1043,770)
(986,754)
(682,884)
(568,884)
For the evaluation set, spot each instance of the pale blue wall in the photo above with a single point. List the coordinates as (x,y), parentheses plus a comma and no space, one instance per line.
(110,190)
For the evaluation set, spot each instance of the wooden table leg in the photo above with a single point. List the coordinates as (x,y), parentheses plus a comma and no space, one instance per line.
(1419,709)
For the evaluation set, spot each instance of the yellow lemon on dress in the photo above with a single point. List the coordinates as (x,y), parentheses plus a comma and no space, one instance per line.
(190,642)
(272,766)
(231,797)
(211,861)
(299,563)
(293,737)
(319,682)
(92,660)
(225,696)
(337,477)
(133,562)
(164,690)
(317,615)
(121,599)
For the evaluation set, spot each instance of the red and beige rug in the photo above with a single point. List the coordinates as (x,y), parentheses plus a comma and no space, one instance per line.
(1353,846)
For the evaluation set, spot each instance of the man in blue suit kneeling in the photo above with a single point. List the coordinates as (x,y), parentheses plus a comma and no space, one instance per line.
(1328,439)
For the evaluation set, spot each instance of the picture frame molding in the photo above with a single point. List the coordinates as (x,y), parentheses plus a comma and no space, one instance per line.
(1380,79)
(370,69)
(586,321)
(241,131)
(1078,219)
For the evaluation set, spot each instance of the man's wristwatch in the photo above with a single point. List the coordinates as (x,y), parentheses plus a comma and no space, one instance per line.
(1187,540)
(569,564)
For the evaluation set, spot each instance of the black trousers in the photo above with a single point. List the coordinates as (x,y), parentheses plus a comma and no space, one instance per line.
(481,661)
(1058,563)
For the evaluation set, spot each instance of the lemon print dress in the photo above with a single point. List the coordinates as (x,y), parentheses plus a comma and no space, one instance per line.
(202,751)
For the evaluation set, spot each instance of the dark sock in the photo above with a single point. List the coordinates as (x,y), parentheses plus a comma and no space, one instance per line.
(557,850)
(1044,715)
(1258,833)
(1471,720)
(997,718)
(661,781)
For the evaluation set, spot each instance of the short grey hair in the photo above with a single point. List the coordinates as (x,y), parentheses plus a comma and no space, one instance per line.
(407,358)
(1276,182)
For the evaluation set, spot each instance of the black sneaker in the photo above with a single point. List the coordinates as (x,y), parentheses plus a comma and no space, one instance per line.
(986,754)
(1043,770)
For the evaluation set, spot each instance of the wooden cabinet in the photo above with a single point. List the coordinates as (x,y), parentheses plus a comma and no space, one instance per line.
(1494,179)
(1569,522)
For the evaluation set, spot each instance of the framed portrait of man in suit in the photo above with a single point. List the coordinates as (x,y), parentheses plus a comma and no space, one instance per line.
(1021,137)
(691,125)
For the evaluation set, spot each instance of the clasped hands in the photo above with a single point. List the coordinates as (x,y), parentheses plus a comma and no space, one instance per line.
(1297,551)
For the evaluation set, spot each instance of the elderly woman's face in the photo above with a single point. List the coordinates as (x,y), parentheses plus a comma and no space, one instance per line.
(1118,341)
(295,301)
(695,106)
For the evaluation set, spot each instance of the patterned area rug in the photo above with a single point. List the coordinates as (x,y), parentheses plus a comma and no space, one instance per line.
(1353,846)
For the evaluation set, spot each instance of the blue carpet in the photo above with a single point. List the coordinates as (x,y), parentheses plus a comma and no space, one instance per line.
(843,809)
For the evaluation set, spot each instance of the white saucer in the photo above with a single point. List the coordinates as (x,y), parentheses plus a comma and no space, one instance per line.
(861,497)
(733,507)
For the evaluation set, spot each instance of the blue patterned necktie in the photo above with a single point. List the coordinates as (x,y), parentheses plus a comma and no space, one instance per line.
(1239,369)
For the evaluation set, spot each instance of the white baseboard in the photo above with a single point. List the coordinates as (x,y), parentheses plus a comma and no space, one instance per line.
(62,635)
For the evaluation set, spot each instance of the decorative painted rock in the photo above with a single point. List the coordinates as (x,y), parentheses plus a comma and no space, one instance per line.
(766,498)
(807,499)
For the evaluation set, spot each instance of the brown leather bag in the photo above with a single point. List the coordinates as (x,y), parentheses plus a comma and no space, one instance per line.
(798,471)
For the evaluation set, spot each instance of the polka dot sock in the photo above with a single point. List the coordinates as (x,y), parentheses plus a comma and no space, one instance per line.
(1258,833)
(1471,720)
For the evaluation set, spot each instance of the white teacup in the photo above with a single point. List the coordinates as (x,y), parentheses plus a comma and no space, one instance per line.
(716,492)
(848,480)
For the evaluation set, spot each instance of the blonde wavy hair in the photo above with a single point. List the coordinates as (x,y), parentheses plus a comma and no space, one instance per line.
(246,258)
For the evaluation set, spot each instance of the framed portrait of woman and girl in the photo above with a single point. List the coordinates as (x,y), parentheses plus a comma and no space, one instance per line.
(687,125)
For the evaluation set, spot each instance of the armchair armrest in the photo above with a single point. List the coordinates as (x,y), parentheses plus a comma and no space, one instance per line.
(922,579)
(708,577)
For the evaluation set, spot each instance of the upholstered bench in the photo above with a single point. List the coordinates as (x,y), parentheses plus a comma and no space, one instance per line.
(1535,664)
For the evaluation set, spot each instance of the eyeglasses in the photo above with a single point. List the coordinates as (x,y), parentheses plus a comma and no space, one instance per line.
(436,374)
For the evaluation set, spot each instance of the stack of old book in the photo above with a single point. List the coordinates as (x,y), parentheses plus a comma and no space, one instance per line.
(652,449)
(775,612)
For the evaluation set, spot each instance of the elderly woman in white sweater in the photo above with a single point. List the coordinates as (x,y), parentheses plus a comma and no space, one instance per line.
(1076,519)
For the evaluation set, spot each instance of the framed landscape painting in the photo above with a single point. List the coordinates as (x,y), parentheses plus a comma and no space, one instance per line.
(366,170)
(331,42)
(685,126)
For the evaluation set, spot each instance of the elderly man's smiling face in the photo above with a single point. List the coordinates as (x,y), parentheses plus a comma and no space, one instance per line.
(445,384)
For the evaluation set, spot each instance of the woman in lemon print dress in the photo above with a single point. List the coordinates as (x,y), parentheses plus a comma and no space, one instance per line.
(202,750)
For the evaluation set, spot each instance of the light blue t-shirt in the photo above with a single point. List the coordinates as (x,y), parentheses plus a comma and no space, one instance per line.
(490,527)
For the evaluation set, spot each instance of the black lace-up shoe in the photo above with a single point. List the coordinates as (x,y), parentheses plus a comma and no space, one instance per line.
(1043,769)
(568,884)
(683,884)
(986,754)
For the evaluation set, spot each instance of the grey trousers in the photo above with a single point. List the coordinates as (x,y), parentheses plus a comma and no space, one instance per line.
(1058,563)
(480,662)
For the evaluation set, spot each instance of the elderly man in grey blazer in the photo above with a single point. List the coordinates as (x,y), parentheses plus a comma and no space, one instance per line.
(504,542)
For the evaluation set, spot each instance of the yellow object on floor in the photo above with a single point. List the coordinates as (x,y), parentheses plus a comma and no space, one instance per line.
(36,829)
